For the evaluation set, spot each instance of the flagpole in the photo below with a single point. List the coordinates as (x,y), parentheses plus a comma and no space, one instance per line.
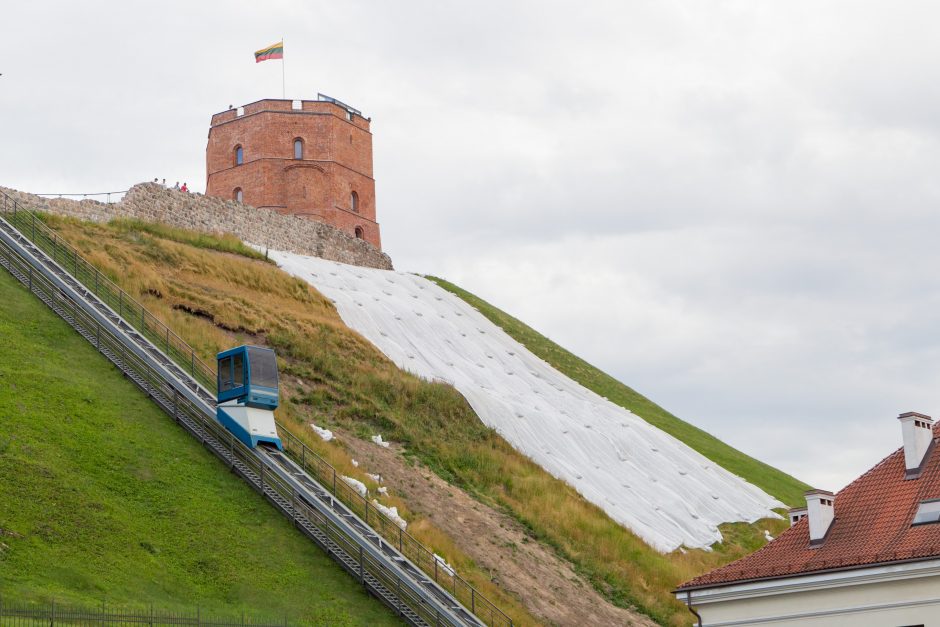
(283,72)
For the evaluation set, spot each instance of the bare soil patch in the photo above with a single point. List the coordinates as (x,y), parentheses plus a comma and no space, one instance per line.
(546,584)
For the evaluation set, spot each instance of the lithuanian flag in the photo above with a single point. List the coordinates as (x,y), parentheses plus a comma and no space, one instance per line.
(271,52)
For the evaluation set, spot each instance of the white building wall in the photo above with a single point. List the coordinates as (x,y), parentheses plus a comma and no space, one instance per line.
(896,598)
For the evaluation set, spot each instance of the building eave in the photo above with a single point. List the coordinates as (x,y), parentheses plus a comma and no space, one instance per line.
(803,582)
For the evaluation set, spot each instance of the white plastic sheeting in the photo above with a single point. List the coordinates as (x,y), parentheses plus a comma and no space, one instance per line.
(325,434)
(645,479)
(356,485)
(444,566)
(392,513)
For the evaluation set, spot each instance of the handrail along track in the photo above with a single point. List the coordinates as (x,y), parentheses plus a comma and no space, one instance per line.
(303,486)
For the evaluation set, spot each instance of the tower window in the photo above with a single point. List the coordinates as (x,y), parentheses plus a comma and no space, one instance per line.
(354,201)
(237,194)
(298,148)
(239,155)
(359,232)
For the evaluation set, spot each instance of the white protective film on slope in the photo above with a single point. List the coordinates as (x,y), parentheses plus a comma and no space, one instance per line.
(645,479)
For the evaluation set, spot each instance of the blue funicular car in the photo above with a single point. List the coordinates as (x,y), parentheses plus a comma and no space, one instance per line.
(248,394)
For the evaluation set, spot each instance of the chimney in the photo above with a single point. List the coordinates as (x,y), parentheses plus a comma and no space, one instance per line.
(796,514)
(820,509)
(917,433)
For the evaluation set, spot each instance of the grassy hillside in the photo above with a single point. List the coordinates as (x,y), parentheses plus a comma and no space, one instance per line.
(779,484)
(104,499)
(334,377)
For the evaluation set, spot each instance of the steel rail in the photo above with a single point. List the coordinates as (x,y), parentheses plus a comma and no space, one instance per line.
(381,568)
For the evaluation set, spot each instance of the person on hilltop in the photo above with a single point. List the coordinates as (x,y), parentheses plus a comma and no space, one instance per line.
(177,186)
(184,188)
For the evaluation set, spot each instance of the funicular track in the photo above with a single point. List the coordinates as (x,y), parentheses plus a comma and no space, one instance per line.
(381,566)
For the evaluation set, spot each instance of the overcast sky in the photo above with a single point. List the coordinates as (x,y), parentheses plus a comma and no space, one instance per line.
(730,206)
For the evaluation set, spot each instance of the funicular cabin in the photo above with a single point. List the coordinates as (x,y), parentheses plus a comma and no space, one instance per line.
(248,394)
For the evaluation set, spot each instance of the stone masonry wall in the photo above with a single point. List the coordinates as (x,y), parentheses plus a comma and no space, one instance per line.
(155,203)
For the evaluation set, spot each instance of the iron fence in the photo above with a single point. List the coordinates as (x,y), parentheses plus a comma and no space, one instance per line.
(14,614)
(117,196)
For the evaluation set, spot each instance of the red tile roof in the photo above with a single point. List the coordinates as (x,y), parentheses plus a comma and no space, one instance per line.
(872,525)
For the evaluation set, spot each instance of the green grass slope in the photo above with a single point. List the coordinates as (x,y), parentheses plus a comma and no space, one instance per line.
(104,499)
(779,484)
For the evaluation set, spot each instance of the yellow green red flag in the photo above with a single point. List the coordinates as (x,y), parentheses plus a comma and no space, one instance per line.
(275,51)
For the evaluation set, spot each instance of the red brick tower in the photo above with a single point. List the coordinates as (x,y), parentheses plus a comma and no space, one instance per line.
(310,158)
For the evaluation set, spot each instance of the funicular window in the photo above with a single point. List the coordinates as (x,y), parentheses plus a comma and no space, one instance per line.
(239,370)
(225,374)
(263,367)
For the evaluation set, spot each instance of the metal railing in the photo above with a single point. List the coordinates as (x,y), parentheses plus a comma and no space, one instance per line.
(242,461)
(30,224)
(13,614)
(91,195)
(407,545)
